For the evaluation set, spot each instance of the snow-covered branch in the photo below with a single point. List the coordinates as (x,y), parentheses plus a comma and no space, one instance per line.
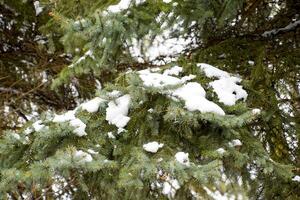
(290,27)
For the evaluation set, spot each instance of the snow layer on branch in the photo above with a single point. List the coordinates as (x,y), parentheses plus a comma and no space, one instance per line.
(73,121)
(183,158)
(70,115)
(79,127)
(173,71)
(152,146)
(38,8)
(221,151)
(211,71)
(192,93)
(194,96)
(228,91)
(38,125)
(296,178)
(235,143)
(169,187)
(83,156)
(122,5)
(157,80)
(92,105)
(226,88)
(116,112)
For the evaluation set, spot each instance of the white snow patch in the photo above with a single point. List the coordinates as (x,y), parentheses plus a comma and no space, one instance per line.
(194,96)
(251,62)
(188,78)
(16,136)
(111,135)
(92,105)
(256,111)
(221,151)
(116,112)
(28,131)
(79,127)
(183,158)
(157,80)
(226,87)
(296,178)
(70,115)
(91,151)
(122,5)
(152,146)
(173,71)
(211,71)
(228,91)
(192,93)
(170,186)
(235,143)
(73,121)
(38,125)
(38,8)
(83,156)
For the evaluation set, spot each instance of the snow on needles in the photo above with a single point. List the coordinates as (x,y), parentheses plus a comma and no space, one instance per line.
(183,158)
(152,147)
(83,156)
(192,93)
(117,110)
(73,121)
(226,87)
(92,105)
(194,96)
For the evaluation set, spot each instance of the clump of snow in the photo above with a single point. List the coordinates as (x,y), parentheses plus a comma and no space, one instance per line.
(235,143)
(170,186)
(73,121)
(122,5)
(28,131)
(38,8)
(116,112)
(192,93)
(211,71)
(70,115)
(111,135)
(38,125)
(221,151)
(92,105)
(194,96)
(91,151)
(157,80)
(79,127)
(228,91)
(173,71)
(183,158)
(188,78)
(226,87)
(16,136)
(296,178)
(83,156)
(256,111)
(251,62)
(114,94)
(152,146)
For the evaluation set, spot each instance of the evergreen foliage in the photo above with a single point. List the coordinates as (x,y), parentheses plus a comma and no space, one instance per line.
(159,148)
